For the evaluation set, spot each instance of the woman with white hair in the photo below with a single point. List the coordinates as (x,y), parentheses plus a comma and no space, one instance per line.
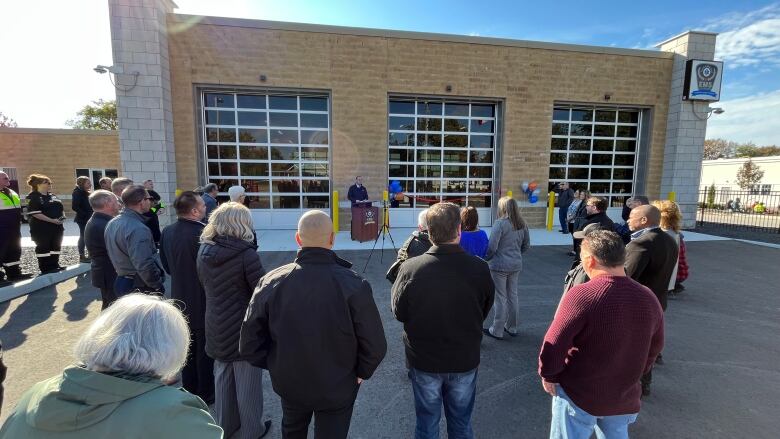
(229,268)
(120,385)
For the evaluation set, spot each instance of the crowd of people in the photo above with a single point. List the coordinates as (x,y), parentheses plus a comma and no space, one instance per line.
(314,326)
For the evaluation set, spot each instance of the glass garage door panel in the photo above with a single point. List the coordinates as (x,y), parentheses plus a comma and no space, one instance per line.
(595,149)
(276,146)
(441,151)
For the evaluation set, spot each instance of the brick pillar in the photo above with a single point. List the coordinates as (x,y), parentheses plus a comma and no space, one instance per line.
(685,129)
(140,44)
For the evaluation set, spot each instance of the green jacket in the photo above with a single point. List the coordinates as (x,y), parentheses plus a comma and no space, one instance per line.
(85,405)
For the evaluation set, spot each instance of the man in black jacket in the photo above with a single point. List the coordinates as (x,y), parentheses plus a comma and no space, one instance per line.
(442,297)
(105,206)
(650,259)
(596,207)
(314,325)
(417,244)
(179,246)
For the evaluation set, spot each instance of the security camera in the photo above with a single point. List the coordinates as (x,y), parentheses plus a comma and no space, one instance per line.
(101,69)
(718,110)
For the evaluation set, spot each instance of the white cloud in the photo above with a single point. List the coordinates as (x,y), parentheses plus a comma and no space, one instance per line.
(753,118)
(748,39)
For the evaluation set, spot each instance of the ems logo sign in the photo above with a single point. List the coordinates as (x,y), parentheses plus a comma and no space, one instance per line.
(369,217)
(702,80)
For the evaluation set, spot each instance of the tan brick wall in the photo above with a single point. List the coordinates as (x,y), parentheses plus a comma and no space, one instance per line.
(57,153)
(360,72)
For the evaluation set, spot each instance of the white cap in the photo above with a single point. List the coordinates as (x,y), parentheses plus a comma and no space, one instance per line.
(235,192)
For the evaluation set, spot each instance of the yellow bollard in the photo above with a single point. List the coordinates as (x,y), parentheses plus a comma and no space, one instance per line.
(672,196)
(550,210)
(509,194)
(385,212)
(335,211)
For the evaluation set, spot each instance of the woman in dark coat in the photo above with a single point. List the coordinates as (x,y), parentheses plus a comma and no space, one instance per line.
(229,268)
(46,216)
(80,204)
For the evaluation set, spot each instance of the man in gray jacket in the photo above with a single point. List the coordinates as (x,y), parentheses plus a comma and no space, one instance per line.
(131,248)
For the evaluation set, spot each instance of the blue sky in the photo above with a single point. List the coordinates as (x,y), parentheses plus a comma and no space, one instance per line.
(58,69)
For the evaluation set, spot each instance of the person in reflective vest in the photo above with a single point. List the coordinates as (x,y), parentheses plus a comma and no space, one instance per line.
(10,231)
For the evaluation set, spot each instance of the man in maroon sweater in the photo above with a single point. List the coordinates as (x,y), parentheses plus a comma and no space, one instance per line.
(605,335)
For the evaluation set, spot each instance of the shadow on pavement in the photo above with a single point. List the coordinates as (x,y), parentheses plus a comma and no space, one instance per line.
(80,298)
(36,308)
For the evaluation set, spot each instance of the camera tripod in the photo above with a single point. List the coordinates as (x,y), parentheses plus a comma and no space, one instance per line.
(384,230)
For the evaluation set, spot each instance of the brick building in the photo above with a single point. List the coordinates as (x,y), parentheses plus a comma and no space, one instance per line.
(294,112)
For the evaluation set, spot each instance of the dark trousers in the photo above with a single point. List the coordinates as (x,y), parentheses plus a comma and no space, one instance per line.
(48,243)
(562,211)
(125,285)
(108,296)
(11,252)
(329,422)
(198,373)
(80,243)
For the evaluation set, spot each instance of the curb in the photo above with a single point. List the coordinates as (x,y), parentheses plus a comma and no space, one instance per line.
(31,285)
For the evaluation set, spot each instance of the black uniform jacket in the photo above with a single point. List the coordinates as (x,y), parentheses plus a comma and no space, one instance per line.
(650,260)
(103,273)
(315,326)
(179,254)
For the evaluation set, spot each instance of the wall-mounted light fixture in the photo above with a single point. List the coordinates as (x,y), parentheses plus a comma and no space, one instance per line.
(114,70)
(263,78)
(709,112)
(448,88)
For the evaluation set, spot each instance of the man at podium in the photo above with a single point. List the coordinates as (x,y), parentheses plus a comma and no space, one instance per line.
(358,194)
(364,216)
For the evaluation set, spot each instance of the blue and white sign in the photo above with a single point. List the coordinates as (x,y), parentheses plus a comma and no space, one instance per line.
(702,80)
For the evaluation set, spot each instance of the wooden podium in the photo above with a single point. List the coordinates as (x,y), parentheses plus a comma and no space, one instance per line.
(365,222)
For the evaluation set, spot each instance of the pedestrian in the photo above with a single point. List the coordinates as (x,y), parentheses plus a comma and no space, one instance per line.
(131,248)
(118,185)
(45,212)
(80,205)
(105,206)
(210,192)
(416,244)
(571,213)
(604,336)
(671,219)
(10,232)
(596,212)
(509,239)
(237,194)
(179,246)
(622,229)
(651,257)
(121,386)
(105,183)
(579,218)
(156,209)
(442,297)
(335,329)
(565,198)
(473,239)
(229,268)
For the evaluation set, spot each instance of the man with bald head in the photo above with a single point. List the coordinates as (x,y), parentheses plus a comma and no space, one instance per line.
(650,258)
(316,328)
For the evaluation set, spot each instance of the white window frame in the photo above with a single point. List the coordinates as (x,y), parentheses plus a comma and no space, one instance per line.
(300,179)
(612,196)
(411,182)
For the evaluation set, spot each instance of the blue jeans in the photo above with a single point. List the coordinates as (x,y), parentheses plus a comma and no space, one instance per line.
(123,285)
(572,422)
(456,390)
(562,212)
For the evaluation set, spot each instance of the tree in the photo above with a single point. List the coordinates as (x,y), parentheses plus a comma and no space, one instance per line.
(749,174)
(718,148)
(766,151)
(6,122)
(747,150)
(100,116)
(711,196)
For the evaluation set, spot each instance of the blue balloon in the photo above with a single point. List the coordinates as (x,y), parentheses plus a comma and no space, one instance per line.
(533,199)
(395,186)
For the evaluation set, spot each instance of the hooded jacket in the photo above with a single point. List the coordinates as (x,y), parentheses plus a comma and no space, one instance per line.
(84,404)
(229,269)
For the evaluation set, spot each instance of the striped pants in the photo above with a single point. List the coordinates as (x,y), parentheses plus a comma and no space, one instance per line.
(238,399)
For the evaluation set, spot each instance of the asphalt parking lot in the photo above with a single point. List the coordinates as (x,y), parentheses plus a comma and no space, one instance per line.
(721,377)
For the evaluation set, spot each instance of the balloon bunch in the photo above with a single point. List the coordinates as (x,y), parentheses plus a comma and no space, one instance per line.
(532,191)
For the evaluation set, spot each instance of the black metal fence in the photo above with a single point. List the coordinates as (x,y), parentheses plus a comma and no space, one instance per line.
(751,210)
